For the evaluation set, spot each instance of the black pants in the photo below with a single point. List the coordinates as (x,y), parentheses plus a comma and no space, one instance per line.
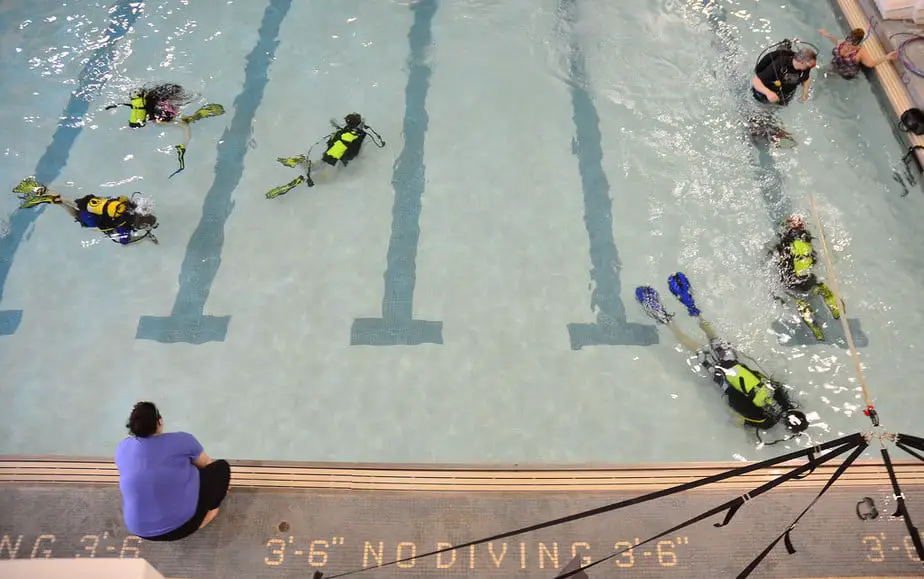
(214,481)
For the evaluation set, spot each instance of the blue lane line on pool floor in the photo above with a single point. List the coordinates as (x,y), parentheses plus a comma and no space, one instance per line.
(89,84)
(187,322)
(611,328)
(397,326)
(771,183)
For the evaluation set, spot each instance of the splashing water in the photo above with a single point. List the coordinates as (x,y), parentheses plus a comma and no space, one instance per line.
(144,205)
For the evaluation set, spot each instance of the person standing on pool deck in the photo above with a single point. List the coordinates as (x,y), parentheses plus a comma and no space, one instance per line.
(170,487)
(783,72)
(848,54)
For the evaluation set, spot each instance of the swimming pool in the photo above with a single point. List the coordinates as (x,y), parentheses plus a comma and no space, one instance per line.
(447,299)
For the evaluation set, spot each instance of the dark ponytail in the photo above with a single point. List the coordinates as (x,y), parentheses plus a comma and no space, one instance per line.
(143,420)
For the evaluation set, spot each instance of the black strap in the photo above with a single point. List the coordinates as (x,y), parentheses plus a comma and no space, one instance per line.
(110,107)
(904,447)
(902,508)
(732,505)
(785,536)
(838,447)
(912,441)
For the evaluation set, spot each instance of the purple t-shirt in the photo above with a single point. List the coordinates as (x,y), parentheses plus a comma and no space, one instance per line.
(159,482)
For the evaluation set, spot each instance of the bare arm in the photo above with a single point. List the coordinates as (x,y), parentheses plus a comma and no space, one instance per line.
(202,460)
(829,36)
(867,60)
(760,87)
(805,89)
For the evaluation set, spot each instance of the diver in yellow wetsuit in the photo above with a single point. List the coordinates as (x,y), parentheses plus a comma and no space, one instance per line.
(343,145)
(795,258)
(161,104)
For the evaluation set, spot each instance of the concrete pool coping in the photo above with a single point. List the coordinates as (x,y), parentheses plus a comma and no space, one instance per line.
(454,478)
(287,519)
(901,88)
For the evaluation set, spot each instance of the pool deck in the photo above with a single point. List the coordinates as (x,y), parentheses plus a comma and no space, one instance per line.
(902,88)
(292,519)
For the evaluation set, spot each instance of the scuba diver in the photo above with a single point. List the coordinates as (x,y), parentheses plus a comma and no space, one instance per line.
(848,54)
(343,145)
(161,104)
(124,220)
(780,70)
(759,401)
(795,258)
(764,130)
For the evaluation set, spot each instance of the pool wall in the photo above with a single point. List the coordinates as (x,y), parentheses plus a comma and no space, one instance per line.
(900,89)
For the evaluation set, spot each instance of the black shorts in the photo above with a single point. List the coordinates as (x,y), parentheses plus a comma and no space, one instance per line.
(214,481)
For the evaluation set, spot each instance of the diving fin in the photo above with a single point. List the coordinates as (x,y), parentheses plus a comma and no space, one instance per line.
(29,186)
(181,157)
(783,140)
(204,112)
(830,300)
(650,301)
(808,317)
(292,161)
(680,287)
(283,189)
(32,193)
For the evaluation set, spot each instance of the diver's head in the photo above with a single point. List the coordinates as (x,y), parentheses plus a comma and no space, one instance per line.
(353,121)
(145,420)
(144,221)
(795,222)
(856,36)
(796,421)
(804,59)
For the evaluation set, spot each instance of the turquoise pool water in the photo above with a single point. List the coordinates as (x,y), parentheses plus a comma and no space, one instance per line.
(464,294)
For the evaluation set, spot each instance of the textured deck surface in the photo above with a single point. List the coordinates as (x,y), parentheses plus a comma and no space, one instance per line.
(337,519)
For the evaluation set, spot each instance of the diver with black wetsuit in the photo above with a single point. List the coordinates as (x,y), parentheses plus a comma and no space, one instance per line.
(779,73)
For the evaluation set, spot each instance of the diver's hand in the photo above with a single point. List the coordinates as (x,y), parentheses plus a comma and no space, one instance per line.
(892,55)
(773,97)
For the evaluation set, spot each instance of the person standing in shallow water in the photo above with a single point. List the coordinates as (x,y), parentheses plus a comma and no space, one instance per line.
(170,487)
(849,54)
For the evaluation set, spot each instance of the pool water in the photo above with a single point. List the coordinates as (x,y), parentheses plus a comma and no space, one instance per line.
(464,294)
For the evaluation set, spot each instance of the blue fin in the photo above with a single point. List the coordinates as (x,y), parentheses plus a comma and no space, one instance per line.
(680,287)
(648,297)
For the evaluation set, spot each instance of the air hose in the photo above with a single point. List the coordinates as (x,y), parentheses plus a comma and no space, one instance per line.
(906,62)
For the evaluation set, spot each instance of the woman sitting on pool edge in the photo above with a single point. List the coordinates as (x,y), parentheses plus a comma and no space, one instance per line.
(848,54)
(170,487)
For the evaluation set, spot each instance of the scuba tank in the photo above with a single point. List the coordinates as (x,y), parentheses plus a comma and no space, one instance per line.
(782,48)
(139,116)
(785,47)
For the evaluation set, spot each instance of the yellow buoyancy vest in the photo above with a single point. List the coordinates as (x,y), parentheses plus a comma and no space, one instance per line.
(750,384)
(339,144)
(803,257)
(113,210)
